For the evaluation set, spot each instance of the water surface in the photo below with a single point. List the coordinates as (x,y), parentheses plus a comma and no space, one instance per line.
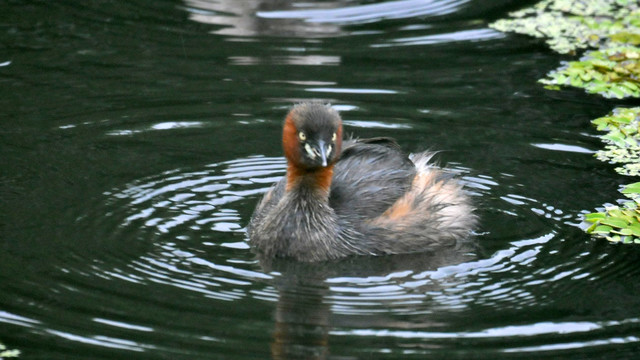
(137,137)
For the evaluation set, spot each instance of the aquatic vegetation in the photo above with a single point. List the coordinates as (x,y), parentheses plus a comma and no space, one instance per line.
(570,25)
(618,223)
(622,139)
(6,353)
(611,72)
(615,223)
(611,26)
(562,34)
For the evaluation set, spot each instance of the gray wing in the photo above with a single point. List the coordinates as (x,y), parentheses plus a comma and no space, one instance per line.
(369,177)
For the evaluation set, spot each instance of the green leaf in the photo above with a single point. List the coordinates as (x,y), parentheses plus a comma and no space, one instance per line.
(625,232)
(618,92)
(635,229)
(602,229)
(615,238)
(614,222)
(593,217)
(616,138)
(632,188)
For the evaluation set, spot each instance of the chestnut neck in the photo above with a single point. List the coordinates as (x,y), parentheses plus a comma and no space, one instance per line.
(316,180)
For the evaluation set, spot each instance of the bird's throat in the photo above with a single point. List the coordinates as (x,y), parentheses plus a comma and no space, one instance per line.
(316,179)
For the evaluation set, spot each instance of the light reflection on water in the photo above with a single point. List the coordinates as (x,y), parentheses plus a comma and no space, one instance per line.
(399,297)
(385,10)
(151,258)
(465,35)
(203,201)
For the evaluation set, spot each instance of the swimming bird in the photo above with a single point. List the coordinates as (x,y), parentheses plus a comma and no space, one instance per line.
(355,197)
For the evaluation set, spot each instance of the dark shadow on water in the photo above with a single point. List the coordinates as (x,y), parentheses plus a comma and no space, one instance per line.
(304,315)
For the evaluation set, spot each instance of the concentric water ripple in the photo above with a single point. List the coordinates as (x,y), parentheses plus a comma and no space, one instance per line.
(119,242)
(180,217)
(182,233)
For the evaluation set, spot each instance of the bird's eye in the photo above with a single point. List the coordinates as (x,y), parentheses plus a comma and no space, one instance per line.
(302,136)
(334,137)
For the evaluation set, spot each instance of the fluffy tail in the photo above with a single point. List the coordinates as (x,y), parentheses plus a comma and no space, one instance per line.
(435,212)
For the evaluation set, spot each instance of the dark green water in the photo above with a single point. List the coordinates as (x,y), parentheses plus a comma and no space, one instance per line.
(136,138)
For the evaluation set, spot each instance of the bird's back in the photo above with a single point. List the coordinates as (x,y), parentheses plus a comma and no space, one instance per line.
(369,177)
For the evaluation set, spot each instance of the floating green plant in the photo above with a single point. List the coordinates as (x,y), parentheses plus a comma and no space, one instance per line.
(611,26)
(563,34)
(6,353)
(618,223)
(570,25)
(622,139)
(611,72)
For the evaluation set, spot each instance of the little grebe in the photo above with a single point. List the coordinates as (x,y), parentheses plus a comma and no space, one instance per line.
(357,197)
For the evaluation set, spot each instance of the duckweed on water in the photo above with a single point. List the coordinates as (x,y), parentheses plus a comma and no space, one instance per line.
(612,26)
(622,139)
(570,25)
(5,353)
(613,71)
(620,223)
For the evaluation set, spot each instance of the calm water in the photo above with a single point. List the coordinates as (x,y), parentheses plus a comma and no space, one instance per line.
(136,138)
